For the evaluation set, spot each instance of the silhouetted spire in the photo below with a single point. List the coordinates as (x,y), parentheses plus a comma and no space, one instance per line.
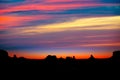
(73,57)
(14,56)
(91,57)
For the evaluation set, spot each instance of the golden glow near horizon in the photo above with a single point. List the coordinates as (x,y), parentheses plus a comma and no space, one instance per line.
(95,23)
(78,55)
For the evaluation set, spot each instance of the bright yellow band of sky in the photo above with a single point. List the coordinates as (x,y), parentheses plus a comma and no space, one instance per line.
(96,23)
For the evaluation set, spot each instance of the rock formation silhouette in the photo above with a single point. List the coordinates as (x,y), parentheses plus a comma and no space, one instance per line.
(4,58)
(53,60)
(92,57)
(116,57)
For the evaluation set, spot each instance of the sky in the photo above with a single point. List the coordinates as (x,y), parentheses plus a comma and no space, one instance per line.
(37,28)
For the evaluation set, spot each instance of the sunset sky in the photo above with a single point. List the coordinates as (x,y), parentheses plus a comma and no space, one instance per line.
(37,28)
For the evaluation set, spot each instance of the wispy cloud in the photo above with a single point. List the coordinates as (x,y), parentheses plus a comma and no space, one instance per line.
(98,23)
(78,33)
(101,45)
(52,7)
(25,13)
(60,24)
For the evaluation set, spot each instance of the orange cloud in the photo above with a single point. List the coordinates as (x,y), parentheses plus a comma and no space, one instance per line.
(10,20)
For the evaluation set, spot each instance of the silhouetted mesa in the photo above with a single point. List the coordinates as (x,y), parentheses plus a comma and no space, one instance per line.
(116,56)
(52,60)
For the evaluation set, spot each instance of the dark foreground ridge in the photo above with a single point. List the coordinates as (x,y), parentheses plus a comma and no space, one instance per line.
(59,68)
(51,62)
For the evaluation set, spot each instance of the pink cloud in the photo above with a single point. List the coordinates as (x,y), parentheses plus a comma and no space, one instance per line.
(59,0)
(50,7)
